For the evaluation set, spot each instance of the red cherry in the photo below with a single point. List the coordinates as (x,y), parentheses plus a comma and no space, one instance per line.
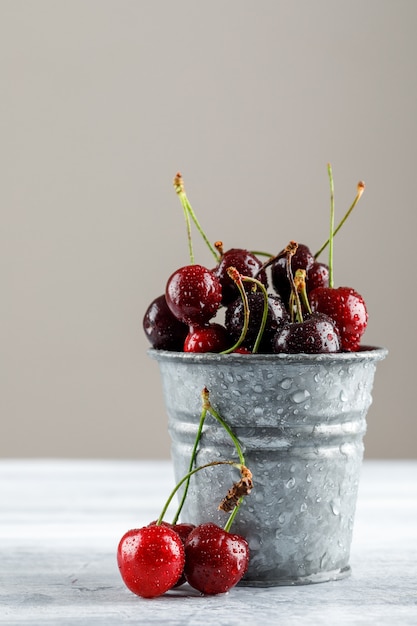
(150,559)
(215,559)
(193,293)
(347,308)
(209,338)
(182,529)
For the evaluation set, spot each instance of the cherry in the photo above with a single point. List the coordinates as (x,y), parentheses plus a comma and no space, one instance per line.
(193,294)
(245,263)
(151,559)
(163,330)
(302,259)
(317,276)
(215,560)
(347,308)
(182,529)
(209,338)
(317,333)
(234,319)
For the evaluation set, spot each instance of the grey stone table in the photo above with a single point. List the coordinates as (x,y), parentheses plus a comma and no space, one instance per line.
(60,522)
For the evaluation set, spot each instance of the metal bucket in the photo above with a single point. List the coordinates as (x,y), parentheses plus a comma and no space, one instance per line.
(300,420)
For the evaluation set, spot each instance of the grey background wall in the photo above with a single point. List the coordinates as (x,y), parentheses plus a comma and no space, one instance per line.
(102,102)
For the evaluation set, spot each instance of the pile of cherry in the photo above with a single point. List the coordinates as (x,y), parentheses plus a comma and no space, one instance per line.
(304,312)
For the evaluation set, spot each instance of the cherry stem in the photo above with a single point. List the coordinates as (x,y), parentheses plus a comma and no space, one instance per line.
(188,210)
(186,478)
(179,188)
(331,279)
(300,285)
(237,278)
(206,407)
(360,190)
(259,336)
(290,250)
(262,253)
(193,455)
(238,448)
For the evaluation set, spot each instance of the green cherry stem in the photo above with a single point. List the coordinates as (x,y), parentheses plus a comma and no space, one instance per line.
(179,189)
(203,415)
(300,284)
(259,336)
(290,250)
(236,443)
(237,278)
(188,210)
(185,478)
(206,407)
(331,278)
(262,253)
(360,190)
(227,428)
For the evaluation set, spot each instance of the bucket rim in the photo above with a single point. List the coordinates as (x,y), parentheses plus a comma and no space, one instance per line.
(365,353)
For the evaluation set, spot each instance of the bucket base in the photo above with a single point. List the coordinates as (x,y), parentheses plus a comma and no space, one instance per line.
(320,577)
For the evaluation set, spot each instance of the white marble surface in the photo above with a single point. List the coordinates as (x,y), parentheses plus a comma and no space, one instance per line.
(60,522)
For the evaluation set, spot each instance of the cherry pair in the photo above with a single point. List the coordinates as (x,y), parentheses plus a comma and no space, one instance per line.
(159,557)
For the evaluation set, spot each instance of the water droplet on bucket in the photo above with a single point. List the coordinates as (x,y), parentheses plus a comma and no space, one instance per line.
(335,506)
(290,483)
(281,518)
(300,396)
(286,383)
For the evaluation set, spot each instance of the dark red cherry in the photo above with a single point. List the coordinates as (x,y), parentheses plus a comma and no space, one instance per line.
(317,276)
(303,259)
(209,338)
(193,293)
(162,329)
(246,264)
(183,529)
(234,319)
(348,310)
(317,334)
(216,560)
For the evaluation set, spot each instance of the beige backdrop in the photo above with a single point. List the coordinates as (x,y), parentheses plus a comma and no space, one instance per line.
(102,101)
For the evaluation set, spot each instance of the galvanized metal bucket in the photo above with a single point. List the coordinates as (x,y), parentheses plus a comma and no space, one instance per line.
(300,420)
